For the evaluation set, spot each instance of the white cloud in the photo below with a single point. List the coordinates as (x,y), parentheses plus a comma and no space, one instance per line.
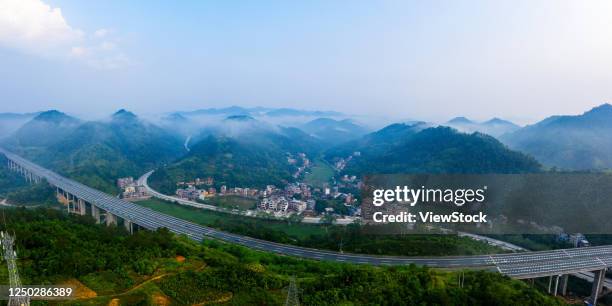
(34,27)
(102,56)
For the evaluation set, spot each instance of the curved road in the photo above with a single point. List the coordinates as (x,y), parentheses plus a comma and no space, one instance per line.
(143,181)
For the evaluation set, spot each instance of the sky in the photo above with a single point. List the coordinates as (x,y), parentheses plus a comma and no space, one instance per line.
(426,60)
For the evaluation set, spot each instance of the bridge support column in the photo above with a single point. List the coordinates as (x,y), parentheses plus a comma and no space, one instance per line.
(71,203)
(598,277)
(95,213)
(556,285)
(110,219)
(128,226)
(81,207)
(549,284)
(564,279)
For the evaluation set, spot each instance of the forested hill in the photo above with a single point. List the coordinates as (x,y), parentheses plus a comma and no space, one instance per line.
(402,148)
(572,142)
(243,152)
(43,130)
(109,266)
(96,153)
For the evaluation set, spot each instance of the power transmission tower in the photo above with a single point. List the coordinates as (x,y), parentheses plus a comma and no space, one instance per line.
(292,294)
(10,256)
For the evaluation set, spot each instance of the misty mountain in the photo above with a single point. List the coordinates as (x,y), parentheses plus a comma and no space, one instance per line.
(296,112)
(98,152)
(334,131)
(226,111)
(177,123)
(258,111)
(43,130)
(571,142)
(243,152)
(494,127)
(247,129)
(11,122)
(461,120)
(403,148)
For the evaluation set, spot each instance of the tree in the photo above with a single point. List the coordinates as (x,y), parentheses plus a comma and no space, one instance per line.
(295,218)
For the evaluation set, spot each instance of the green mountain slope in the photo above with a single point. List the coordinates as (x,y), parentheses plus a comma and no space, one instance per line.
(243,152)
(334,131)
(97,153)
(43,130)
(402,148)
(571,142)
(144,269)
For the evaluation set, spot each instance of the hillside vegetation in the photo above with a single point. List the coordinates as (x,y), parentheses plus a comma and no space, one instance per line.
(150,267)
(97,153)
(579,142)
(401,148)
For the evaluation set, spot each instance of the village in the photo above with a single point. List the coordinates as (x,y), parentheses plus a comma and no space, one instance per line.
(295,198)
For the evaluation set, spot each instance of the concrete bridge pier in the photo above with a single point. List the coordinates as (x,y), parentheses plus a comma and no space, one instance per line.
(82,207)
(550,278)
(29,176)
(563,288)
(71,203)
(95,213)
(129,226)
(110,219)
(556,287)
(598,278)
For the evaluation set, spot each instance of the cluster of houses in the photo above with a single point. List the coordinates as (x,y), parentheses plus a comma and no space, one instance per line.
(209,181)
(130,190)
(191,192)
(294,198)
(282,205)
(340,164)
(305,163)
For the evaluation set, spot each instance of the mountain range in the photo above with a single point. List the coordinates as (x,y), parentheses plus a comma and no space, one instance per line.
(333,131)
(95,152)
(418,148)
(258,111)
(44,129)
(10,122)
(494,127)
(580,142)
(242,150)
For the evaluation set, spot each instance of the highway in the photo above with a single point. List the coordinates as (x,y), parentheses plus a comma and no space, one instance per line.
(516,265)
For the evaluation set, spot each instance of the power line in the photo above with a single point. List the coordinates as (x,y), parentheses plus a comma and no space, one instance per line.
(292,294)
(10,256)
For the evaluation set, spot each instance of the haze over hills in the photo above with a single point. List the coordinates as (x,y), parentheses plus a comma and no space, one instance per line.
(243,152)
(44,129)
(11,122)
(97,152)
(248,150)
(334,131)
(258,111)
(403,148)
(494,127)
(572,142)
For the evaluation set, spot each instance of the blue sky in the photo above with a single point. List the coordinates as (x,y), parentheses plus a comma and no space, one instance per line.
(431,60)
